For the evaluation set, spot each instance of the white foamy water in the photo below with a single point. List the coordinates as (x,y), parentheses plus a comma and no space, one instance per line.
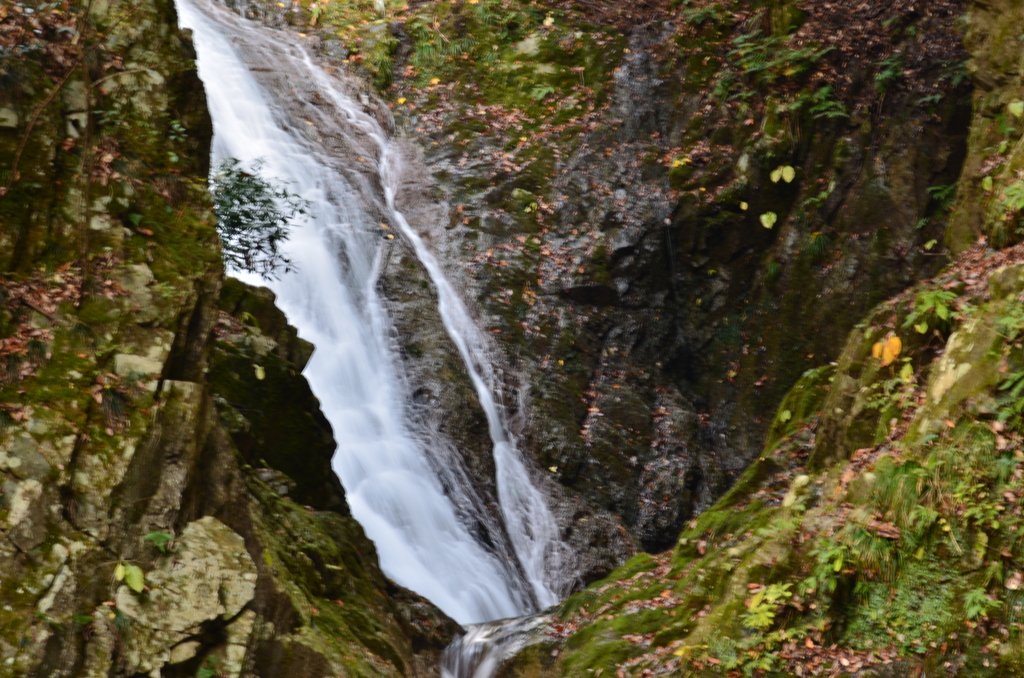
(270,101)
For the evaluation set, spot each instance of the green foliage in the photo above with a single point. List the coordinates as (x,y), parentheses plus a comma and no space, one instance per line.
(208,668)
(540,91)
(42,616)
(819,244)
(825,105)
(978,603)
(765,605)
(783,173)
(381,61)
(943,195)
(911,611)
(1013,197)
(159,539)
(768,58)
(698,15)
(436,53)
(1011,404)
(889,71)
(829,557)
(933,309)
(131,575)
(254,216)
(956,73)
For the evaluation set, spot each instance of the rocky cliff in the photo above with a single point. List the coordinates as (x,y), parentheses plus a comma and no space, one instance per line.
(728,255)
(665,214)
(167,502)
(878,531)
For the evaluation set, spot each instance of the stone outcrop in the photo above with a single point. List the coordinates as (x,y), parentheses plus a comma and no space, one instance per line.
(151,523)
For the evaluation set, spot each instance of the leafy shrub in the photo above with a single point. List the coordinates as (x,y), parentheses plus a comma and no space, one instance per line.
(254,215)
(768,58)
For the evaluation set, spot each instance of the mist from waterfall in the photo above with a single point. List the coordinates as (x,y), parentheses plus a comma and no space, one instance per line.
(389,469)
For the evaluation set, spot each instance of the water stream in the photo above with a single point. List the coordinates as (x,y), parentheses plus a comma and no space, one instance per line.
(270,100)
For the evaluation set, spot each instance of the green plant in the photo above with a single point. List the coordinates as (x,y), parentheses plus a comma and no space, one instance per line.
(381,61)
(956,72)
(177,131)
(697,15)
(208,668)
(829,557)
(1013,197)
(932,309)
(889,71)
(254,216)
(540,91)
(159,540)
(131,575)
(768,58)
(943,195)
(977,603)
(819,244)
(1011,405)
(764,605)
(825,105)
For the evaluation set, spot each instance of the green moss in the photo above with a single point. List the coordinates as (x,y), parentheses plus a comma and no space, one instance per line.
(915,609)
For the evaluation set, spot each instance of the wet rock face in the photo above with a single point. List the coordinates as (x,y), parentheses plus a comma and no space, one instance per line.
(445,407)
(625,271)
(269,411)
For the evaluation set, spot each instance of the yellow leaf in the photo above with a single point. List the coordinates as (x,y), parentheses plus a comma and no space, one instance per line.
(401,100)
(549,21)
(891,350)
(434,81)
(744,206)
(895,345)
(768,219)
(776,175)
(261,373)
(119,572)
(876,350)
(788,174)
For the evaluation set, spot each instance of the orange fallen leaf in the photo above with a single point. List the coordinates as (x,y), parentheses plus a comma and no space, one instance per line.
(891,350)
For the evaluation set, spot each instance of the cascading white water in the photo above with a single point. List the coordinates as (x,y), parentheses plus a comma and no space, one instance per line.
(332,300)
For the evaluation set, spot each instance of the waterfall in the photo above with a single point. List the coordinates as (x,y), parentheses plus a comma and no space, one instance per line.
(270,101)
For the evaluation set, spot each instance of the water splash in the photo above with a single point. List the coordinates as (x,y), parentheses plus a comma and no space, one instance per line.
(317,132)
(484,647)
